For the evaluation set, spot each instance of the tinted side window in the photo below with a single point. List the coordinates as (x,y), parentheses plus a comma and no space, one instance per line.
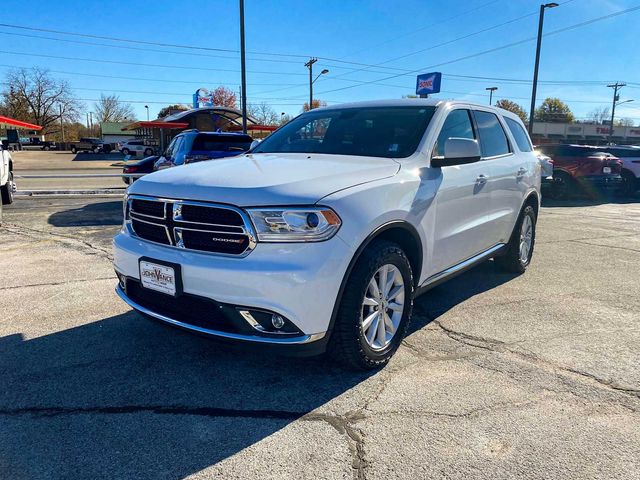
(521,137)
(493,140)
(457,125)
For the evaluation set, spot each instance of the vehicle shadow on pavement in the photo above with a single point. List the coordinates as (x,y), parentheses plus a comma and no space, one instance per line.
(445,296)
(126,397)
(589,201)
(92,214)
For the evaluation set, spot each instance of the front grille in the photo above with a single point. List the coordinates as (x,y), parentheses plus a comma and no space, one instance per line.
(190,309)
(191,225)
(148,231)
(216,216)
(215,242)
(146,207)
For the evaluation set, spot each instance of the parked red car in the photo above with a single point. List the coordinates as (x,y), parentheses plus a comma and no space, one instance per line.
(582,168)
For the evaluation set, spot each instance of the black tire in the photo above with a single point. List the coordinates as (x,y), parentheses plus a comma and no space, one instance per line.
(148,152)
(347,344)
(629,183)
(74,150)
(563,186)
(6,191)
(125,151)
(47,148)
(512,260)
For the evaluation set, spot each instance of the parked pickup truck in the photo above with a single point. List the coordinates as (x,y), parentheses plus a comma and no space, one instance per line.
(37,144)
(88,144)
(6,179)
(319,239)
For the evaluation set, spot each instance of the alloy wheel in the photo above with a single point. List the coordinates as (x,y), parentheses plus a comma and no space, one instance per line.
(526,238)
(383,306)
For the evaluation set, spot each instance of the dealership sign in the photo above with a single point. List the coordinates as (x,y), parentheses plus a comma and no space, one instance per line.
(202,98)
(427,83)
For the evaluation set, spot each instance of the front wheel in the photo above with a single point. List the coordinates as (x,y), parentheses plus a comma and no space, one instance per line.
(125,151)
(148,152)
(6,191)
(375,309)
(74,150)
(629,183)
(520,247)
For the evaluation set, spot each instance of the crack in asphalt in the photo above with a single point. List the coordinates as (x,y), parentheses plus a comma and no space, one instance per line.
(606,246)
(53,284)
(29,232)
(498,346)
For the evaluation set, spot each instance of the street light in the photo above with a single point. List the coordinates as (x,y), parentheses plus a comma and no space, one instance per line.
(535,68)
(491,90)
(616,101)
(312,80)
(147,107)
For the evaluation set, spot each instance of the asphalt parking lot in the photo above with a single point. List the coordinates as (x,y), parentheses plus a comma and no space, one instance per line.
(534,376)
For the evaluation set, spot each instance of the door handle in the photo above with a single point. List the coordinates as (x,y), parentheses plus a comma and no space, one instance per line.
(482,179)
(521,172)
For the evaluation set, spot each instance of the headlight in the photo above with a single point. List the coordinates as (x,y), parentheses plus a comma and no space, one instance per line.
(295,224)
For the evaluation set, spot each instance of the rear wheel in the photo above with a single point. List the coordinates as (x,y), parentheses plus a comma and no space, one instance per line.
(520,246)
(125,151)
(629,183)
(74,150)
(374,313)
(148,152)
(563,186)
(6,191)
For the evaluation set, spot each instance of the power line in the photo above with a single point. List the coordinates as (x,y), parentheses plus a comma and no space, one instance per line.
(143,42)
(495,49)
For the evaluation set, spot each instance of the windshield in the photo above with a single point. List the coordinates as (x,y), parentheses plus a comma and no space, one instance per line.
(393,132)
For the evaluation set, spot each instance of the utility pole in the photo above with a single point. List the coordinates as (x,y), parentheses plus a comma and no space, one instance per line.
(616,86)
(243,96)
(91,122)
(309,65)
(537,63)
(491,90)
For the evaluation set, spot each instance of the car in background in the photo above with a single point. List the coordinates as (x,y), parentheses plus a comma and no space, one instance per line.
(141,167)
(135,147)
(89,144)
(37,144)
(630,157)
(193,146)
(582,168)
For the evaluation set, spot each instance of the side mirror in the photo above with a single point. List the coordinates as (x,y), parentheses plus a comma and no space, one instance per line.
(254,144)
(458,151)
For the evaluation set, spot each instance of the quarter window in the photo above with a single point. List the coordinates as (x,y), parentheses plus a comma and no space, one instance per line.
(521,137)
(493,140)
(457,125)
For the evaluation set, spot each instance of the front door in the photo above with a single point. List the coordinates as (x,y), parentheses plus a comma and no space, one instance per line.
(462,200)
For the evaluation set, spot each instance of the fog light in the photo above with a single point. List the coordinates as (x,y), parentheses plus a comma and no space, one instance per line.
(277,321)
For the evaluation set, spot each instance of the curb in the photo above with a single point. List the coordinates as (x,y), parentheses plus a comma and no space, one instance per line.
(96,191)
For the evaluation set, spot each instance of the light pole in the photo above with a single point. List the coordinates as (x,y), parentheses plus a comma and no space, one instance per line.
(243,97)
(616,101)
(147,108)
(312,80)
(535,68)
(491,90)
(61,123)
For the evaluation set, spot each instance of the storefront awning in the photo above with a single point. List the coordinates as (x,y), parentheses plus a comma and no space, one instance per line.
(10,122)
(155,124)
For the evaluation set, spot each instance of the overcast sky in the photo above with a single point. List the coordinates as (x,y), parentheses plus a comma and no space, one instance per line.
(398,37)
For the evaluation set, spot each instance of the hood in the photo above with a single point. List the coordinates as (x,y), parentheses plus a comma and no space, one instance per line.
(265,178)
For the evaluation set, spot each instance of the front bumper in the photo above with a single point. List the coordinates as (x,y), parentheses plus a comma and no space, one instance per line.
(299,281)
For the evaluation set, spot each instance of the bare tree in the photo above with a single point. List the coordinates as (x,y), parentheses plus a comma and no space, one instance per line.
(110,109)
(624,122)
(35,96)
(263,113)
(599,115)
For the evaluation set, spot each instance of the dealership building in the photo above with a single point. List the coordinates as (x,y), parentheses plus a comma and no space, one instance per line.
(583,133)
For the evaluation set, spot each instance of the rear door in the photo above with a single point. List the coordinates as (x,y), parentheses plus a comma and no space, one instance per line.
(508,169)
(462,201)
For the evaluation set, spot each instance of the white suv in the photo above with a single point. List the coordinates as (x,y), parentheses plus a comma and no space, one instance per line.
(7,185)
(320,237)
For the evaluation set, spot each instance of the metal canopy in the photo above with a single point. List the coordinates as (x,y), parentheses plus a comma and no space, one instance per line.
(11,122)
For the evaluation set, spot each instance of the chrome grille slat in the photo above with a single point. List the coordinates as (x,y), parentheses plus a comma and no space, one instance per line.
(235,239)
